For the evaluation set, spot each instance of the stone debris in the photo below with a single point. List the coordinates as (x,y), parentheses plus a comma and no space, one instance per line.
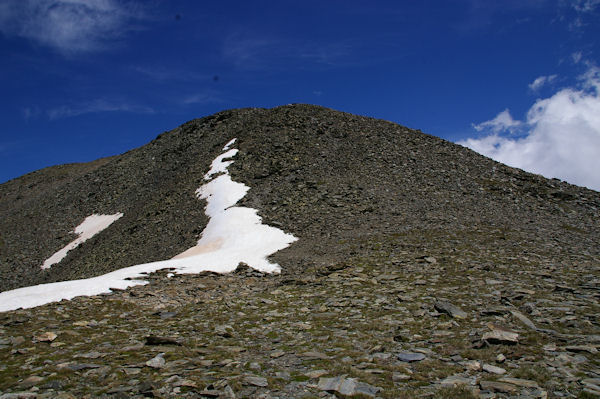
(271,336)
(400,377)
(524,319)
(157,362)
(347,386)
(31,381)
(592,385)
(225,331)
(500,336)
(276,354)
(450,309)
(410,357)
(519,382)
(472,365)
(495,386)
(46,337)
(316,373)
(256,381)
(314,355)
(493,369)
(456,380)
(582,348)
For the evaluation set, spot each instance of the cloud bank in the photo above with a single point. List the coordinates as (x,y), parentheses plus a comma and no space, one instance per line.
(560,136)
(502,122)
(69,26)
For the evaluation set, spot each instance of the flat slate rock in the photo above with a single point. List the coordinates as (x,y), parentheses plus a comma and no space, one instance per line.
(347,386)
(524,319)
(500,337)
(493,369)
(520,382)
(495,386)
(314,355)
(256,381)
(156,362)
(410,357)
(450,309)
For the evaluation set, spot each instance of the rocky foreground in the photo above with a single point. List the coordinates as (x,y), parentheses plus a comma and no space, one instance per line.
(440,314)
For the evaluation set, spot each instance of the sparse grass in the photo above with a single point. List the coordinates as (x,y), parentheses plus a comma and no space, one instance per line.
(435,369)
(299,378)
(573,229)
(587,395)
(533,372)
(459,392)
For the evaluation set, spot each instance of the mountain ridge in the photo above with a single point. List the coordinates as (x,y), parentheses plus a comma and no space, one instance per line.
(396,231)
(175,172)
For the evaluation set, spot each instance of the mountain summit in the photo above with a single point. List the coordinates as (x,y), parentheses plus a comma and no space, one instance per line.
(418,240)
(327,177)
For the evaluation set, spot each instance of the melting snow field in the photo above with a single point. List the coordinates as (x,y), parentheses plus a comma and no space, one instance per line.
(91,226)
(232,235)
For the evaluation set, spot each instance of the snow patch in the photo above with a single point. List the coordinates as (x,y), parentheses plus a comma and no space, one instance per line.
(229,144)
(91,226)
(218,165)
(232,235)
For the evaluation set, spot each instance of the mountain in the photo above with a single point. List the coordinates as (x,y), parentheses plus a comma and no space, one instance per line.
(413,258)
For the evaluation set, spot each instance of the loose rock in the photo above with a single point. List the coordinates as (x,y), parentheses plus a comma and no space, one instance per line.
(500,337)
(46,337)
(347,386)
(256,381)
(156,362)
(493,369)
(495,386)
(410,357)
(450,309)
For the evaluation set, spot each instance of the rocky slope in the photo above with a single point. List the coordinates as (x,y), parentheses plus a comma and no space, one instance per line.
(415,256)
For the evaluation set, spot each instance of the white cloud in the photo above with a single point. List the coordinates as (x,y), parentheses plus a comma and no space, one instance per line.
(31,112)
(585,14)
(541,81)
(577,56)
(251,51)
(562,139)
(585,5)
(170,73)
(69,26)
(502,121)
(100,105)
(207,96)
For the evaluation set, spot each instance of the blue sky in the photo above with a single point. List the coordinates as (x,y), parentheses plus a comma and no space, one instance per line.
(515,80)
